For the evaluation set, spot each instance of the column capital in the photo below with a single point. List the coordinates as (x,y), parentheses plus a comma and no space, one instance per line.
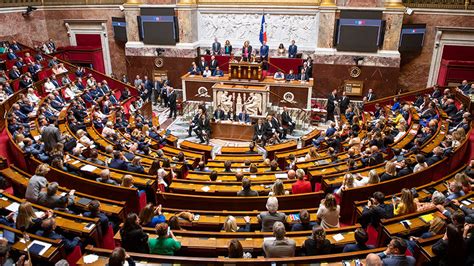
(328,3)
(133,2)
(187,2)
(393,4)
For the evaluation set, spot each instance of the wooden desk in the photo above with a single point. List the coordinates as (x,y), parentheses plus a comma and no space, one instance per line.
(232,131)
(189,145)
(245,70)
(285,146)
(238,157)
(234,150)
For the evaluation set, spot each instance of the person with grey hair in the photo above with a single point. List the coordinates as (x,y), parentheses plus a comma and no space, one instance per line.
(105,178)
(51,199)
(373,260)
(281,246)
(437,198)
(268,218)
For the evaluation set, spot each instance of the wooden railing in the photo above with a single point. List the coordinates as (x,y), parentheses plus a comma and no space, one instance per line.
(442,4)
(15,3)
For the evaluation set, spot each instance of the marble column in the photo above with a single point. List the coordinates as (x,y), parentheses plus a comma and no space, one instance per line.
(327,21)
(187,21)
(132,11)
(394,21)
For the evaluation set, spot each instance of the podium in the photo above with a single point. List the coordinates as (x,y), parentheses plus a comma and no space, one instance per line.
(245,70)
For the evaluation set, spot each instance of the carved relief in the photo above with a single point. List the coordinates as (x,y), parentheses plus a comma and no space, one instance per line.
(237,28)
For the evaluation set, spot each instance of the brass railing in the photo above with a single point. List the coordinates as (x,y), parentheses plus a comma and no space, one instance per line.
(14,3)
(441,4)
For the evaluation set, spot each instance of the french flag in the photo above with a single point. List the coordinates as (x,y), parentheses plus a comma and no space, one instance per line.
(263,30)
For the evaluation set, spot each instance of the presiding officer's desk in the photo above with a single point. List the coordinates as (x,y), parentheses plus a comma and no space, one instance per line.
(199,88)
(231,131)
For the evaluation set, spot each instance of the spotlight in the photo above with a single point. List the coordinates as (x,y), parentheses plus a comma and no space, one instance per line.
(121,8)
(159,51)
(409,11)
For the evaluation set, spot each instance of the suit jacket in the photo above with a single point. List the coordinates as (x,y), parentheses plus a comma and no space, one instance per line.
(264,51)
(292,51)
(202,65)
(433,159)
(269,128)
(392,260)
(172,99)
(450,109)
(216,47)
(204,124)
(286,118)
(50,137)
(279,248)
(259,130)
(371,97)
(344,103)
(331,101)
(249,51)
(247,193)
(213,64)
(304,77)
(118,164)
(219,114)
(244,118)
(14,74)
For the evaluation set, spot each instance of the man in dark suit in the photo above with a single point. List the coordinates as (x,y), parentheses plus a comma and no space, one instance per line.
(259,132)
(148,85)
(465,87)
(404,169)
(292,50)
(370,96)
(164,94)
(218,72)
(247,189)
(204,129)
(48,227)
(172,102)
(213,64)
(264,49)
(14,73)
(202,64)
(331,105)
(244,117)
(216,47)
(118,161)
(287,121)
(291,76)
(193,124)
(279,129)
(450,108)
(344,102)
(395,253)
(437,156)
(303,76)
(375,210)
(219,113)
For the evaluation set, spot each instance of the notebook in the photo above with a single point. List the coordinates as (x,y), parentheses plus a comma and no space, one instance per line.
(84,201)
(38,247)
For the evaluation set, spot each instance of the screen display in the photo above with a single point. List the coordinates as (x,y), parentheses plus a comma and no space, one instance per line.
(120,29)
(359,35)
(412,37)
(158,26)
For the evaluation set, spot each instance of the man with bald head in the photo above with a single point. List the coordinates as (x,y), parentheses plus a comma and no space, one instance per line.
(373,260)
(105,178)
(465,87)
(291,174)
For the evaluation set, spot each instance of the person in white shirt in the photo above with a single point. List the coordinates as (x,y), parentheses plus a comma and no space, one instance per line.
(69,93)
(279,75)
(83,139)
(32,96)
(206,73)
(61,68)
(108,130)
(91,81)
(48,86)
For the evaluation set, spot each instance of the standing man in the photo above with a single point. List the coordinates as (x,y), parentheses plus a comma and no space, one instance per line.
(332,99)
(204,129)
(264,51)
(148,85)
(216,47)
(292,50)
(156,90)
(202,64)
(213,64)
(164,93)
(344,103)
(51,135)
(172,102)
(370,95)
(287,121)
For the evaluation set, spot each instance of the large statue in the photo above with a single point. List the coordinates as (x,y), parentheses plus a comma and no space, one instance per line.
(226,101)
(251,104)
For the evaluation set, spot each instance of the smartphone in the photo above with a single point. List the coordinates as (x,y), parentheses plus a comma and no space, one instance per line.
(405,224)
(168,233)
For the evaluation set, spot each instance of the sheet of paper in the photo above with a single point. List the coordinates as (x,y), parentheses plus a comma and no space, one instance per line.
(13,207)
(91,258)
(88,168)
(281,176)
(205,188)
(338,237)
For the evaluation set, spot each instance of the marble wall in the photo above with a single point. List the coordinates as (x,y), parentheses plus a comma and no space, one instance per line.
(30,30)
(414,68)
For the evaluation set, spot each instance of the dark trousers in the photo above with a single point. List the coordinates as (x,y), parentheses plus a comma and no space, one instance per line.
(173,110)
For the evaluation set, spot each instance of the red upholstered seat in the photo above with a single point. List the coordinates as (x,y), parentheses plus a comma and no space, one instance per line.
(74,256)
(142,199)
(108,241)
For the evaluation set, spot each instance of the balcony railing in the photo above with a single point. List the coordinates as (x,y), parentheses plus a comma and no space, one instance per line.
(441,4)
(14,3)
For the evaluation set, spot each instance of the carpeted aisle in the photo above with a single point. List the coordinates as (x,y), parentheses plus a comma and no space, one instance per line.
(4,145)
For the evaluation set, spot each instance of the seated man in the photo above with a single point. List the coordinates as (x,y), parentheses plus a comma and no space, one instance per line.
(279,75)
(281,247)
(286,120)
(291,76)
(194,69)
(219,113)
(244,117)
(48,227)
(259,132)
(105,178)
(50,199)
(395,253)
(218,72)
(361,238)
(247,189)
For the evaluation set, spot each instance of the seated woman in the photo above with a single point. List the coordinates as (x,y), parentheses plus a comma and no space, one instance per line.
(373,178)
(405,204)
(317,244)
(451,249)
(166,243)
(230,224)
(328,212)
(236,251)
(27,220)
(134,239)
(83,138)
(151,215)
(278,189)
(312,154)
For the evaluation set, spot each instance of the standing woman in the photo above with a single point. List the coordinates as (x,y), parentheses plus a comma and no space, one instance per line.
(227,48)
(246,51)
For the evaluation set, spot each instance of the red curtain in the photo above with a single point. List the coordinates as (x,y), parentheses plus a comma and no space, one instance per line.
(92,40)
